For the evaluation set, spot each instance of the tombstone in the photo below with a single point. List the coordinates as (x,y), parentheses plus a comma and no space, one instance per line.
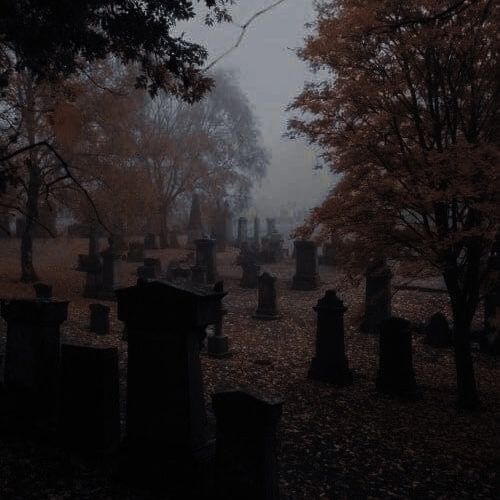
(377,296)
(242,231)
(306,261)
(396,376)
(32,356)
(135,252)
(256,233)
(206,258)
(150,242)
(99,319)
(155,264)
(90,407)
(218,343)
(195,226)
(438,332)
(271,226)
(250,276)
(199,275)
(330,363)
(246,446)
(111,274)
(43,291)
(166,419)
(268,300)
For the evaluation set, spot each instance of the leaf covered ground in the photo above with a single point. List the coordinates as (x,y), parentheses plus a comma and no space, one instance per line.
(335,442)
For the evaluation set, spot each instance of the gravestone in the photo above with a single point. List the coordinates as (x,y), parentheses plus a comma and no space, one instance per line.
(396,375)
(150,242)
(43,291)
(377,296)
(32,357)
(112,273)
(438,332)
(166,419)
(135,252)
(246,451)
(99,319)
(250,276)
(218,343)
(195,226)
(199,275)
(268,298)
(154,264)
(306,271)
(242,231)
(90,407)
(206,258)
(330,363)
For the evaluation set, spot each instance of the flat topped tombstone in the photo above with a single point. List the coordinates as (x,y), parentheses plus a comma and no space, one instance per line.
(246,449)
(166,324)
(438,332)
(396,375)
(330,363)
(99,319)
(43,291)
(90,406)
(306,260)
(32,353)
(267,308)
(206,258)
(377,296)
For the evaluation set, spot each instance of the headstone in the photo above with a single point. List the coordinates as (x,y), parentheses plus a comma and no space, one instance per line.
(218,343)
(155,264)
(377,296)
(396,375)
(206,258)
(199,275)
(99,319)
(246,451)
(166,324)
(271,250)
(250,276)
(438,332)
(43,291)
(330,363)
(90,408)
(135,252)
(195,226)
(32,356)
(112,269)
(150,242)
(268,299)
(306,271)
(242,231)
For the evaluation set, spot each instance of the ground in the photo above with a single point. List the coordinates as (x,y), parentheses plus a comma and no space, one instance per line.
(334,442)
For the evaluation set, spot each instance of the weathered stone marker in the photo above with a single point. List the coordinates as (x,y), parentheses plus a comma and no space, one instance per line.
(438,332)
(242,230)
(306,261)
(166,324)
(377,296)
(218,343)
(90,408)
(330,363)
(250,276)
(268,298)
(396,375)
(246,449)
(99,319)
(32,356)
(43,291)
(111,274)
(206,258)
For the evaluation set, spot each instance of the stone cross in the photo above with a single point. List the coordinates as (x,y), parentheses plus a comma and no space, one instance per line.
(90,407)
(377,296)
(268,299)
(396,375)
(330,363)
(306,260)
(206,258)
(246,446)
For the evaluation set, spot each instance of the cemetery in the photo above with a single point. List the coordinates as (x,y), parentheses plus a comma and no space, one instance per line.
(339,411)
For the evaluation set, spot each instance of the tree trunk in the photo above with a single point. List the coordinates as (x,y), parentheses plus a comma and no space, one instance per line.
(28,273)
(468,397)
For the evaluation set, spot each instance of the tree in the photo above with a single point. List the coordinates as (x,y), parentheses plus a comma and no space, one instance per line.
(407,113)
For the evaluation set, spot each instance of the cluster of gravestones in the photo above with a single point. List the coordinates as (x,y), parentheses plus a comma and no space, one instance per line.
(71,393)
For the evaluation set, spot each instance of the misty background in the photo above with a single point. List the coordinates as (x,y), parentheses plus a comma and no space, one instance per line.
(271,75)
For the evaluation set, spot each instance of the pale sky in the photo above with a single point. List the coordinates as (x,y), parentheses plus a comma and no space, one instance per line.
(271,75)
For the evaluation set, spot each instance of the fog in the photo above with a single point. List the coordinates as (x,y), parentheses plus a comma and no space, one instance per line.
(271,75)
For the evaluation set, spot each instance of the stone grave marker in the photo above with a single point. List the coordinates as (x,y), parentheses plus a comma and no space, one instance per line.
(306,260)
(206,258)
(99,319)
(267,308)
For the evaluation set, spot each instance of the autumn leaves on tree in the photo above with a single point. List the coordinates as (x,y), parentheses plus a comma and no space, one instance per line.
(406,111)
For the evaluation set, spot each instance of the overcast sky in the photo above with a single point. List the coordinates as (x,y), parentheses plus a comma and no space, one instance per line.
(270,74)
